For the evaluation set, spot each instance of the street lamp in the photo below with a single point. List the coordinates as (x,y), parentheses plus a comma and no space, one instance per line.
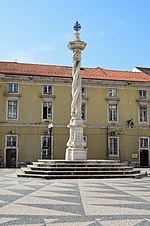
(50,127)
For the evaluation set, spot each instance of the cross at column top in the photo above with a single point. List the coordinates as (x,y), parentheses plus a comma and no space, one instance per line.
(77,26)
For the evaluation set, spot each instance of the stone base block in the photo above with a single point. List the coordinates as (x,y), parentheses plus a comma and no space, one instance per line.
(75,154)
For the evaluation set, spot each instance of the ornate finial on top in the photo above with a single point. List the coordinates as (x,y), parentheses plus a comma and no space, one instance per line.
(77,26)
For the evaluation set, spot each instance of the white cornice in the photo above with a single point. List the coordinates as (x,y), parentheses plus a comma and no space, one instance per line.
(24,79)
(88,126)
(9,124)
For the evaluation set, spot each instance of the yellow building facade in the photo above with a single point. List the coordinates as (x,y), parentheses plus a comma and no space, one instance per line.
(115,111)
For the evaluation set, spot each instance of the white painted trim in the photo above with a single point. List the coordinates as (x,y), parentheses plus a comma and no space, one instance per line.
(13,83)
(12,99)
(108,113)
(143,138)
(48,119)
(47,93)
(138,96)
(117,146)
(113,95)
(143,104)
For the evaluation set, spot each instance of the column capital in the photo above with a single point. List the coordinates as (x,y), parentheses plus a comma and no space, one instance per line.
(77,45)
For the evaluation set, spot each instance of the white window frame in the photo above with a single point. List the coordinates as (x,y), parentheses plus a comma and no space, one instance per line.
(141,94)
(142,117)
(47,90)
(112,92)
(48,117)
(11,136)
(109,148)
(12,88)
(142,141)
(46,149)
(114,115)
(17,109)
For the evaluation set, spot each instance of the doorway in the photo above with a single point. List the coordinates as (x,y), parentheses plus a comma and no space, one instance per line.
(144,157)
(11,150)
(11,158)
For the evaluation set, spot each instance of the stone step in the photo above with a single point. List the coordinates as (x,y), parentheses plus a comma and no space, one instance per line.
(79,164)
(74,168)
(90,169)
(26,171)
(104,176)
(76,162)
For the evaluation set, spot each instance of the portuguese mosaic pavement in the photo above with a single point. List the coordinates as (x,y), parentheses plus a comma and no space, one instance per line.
(37,202)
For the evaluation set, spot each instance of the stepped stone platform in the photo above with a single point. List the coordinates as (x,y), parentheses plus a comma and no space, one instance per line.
(89,169)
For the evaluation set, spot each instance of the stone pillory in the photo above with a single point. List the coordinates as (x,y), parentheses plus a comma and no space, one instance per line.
(76,145)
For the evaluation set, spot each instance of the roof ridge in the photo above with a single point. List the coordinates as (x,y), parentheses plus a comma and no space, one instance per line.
(53,65)
(40,64)
(61,71)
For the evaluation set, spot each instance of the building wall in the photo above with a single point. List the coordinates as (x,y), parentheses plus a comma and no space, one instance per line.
(30,126)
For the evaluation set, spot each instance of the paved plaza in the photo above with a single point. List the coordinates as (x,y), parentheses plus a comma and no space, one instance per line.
(38,202)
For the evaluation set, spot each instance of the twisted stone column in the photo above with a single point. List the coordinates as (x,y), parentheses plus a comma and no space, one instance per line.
(76,146)
(76,85)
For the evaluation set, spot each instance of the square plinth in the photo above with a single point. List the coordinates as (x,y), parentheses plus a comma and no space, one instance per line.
(75,154)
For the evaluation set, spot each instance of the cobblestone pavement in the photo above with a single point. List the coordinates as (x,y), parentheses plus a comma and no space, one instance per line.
(37,202)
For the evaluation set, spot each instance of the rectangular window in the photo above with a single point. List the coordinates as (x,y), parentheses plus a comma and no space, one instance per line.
(46,147)
(83,92)
(45,142)
(144,142)
(12,106)
(112,92)
(83,108)
(47,90)
(113,145)
(47,110)
(11,141)
(13,88)
(113,112)
(142,94)
(143,113)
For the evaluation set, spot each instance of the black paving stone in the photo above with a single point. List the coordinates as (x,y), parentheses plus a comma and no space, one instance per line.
(71,199)
(71,192)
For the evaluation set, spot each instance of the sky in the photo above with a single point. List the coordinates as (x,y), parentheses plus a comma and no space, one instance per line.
(117,32)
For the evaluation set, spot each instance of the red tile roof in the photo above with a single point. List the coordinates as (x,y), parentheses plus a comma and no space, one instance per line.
(146,70)
(66,71)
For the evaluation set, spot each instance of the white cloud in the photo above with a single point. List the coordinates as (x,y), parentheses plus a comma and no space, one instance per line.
(29,55)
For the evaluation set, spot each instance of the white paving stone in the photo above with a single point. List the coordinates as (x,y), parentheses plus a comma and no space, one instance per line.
(37,202)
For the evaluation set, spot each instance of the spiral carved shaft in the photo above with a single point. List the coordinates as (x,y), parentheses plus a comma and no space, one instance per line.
(76,85)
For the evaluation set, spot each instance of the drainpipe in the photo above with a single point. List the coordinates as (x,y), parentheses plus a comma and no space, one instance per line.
(107,141)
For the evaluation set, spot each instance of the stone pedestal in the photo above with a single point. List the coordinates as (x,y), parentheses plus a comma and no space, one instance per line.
(76,145)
